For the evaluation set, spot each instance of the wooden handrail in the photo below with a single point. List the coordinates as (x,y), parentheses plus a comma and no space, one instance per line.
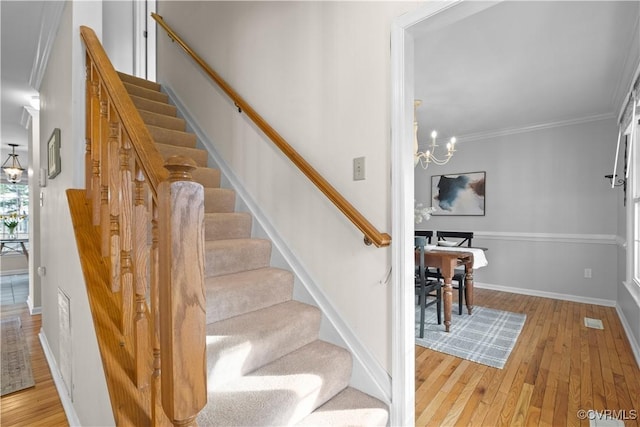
(149,215)
(141,139)
(371,234)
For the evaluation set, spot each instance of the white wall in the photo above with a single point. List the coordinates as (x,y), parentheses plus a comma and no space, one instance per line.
(117,25)
(62,97)
(319,74)
(549,211)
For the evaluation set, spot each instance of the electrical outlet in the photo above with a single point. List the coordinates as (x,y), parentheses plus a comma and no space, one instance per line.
(587,273)
(358,169)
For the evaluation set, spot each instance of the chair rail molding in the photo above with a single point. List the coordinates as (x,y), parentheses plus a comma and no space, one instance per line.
(599,239)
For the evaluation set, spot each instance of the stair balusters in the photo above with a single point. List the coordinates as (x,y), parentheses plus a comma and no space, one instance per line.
(151,223)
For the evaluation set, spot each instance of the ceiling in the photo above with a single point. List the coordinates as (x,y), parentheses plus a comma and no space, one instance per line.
(480,67)
(484,68)
(20,22)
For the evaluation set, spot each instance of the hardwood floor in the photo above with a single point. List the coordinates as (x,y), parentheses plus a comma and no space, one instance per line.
(557,368)
(39,405)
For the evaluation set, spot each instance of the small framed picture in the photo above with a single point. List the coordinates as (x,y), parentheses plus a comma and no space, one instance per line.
(53,150)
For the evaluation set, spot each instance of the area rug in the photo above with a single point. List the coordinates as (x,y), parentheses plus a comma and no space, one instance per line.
(487,336)
(16,371)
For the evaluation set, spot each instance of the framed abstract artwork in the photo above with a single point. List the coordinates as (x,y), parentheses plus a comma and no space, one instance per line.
(458,194)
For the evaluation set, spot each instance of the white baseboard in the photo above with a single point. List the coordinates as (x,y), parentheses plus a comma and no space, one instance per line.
(635,347)
(33,310)
(545,294)
(67,404)
(368,375)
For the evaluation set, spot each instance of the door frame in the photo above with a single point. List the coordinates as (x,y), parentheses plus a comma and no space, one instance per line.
(402,196)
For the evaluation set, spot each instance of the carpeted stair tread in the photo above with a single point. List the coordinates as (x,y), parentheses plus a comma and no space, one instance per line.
(282,392)
(219,200)
(265,364)
(208,177)
(228,225)
(235,255)
(239,293)
(172,137)
(242,344)
(143,92)
(350,407)
(161,120)
(148,84)
(201,157)
(154,106)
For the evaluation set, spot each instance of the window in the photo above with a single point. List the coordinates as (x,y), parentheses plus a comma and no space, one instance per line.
(14,199)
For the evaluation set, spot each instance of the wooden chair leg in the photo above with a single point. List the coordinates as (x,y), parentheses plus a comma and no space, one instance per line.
(423,302)
(439,305)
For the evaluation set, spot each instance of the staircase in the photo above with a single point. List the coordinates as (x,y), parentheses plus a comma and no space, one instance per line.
(265,362)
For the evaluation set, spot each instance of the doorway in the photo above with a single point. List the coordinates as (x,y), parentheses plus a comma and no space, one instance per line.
(402,98)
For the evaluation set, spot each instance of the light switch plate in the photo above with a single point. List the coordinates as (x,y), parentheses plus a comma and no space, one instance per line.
(358,169)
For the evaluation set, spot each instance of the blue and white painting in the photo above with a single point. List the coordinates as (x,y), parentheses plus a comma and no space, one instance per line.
(458,194)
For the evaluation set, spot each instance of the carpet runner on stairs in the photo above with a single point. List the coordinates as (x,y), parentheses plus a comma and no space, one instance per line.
(265,363)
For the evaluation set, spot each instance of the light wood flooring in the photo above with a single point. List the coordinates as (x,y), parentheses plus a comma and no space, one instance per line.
(39,405)
(557,368)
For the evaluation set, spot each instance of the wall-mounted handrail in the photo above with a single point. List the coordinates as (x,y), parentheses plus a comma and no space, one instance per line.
(371,234)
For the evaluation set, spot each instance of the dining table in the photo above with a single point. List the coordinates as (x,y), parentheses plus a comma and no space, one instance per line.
(447,259)
(16,245)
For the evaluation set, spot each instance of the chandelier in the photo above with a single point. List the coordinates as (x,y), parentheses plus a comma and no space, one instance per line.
(425,158)
(13,170)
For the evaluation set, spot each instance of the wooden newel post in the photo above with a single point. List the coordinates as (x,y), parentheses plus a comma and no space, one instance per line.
(182,296)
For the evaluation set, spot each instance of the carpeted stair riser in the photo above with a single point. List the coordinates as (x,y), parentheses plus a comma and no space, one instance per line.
(208,177)
(264,361)
(154,106)
(282,392)
(350,407)
(142,92)
(172,137)
(201,157)
(222,226)
(242,344)
(220,200)
(137,81)
(163,121)
(235,255)
(239,293)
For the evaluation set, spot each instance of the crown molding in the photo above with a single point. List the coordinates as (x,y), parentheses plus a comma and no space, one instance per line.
(533,128)
(51,16)
(620,95)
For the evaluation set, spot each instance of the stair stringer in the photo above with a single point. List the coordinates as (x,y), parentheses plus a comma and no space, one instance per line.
(367,374)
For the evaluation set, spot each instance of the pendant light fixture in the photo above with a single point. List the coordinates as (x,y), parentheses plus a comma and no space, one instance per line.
(12,167)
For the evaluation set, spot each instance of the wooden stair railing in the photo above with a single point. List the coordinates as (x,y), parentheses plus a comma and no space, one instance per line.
(371,233)
(151,221)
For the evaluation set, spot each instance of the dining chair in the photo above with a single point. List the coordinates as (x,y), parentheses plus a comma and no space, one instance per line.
(458,281)
(424,233)
(426,288)
(466,236)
